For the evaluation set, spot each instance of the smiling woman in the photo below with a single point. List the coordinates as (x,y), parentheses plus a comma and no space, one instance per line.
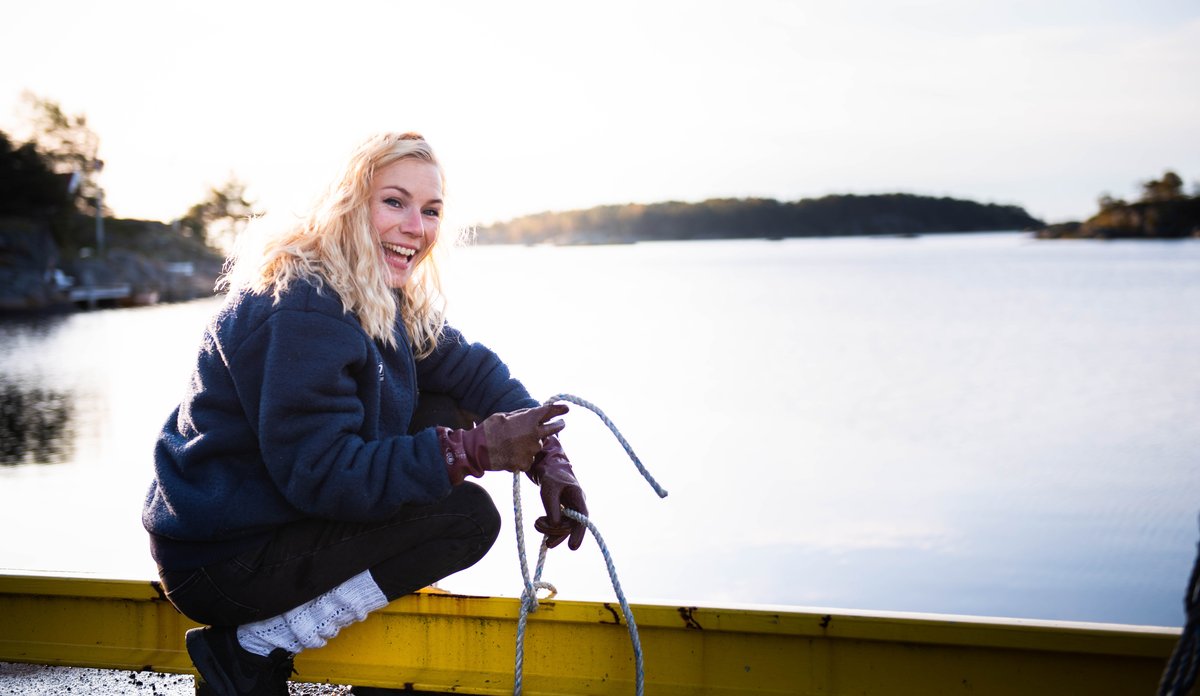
(384,199)
(406,211)
(293,491)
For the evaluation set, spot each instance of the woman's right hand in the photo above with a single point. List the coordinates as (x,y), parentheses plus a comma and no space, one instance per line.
(511,440)
(502,442)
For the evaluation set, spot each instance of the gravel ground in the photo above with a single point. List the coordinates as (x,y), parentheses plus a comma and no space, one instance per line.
(38,680)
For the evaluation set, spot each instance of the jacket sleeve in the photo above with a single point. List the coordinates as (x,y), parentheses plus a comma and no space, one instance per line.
(298,377)
(473,375)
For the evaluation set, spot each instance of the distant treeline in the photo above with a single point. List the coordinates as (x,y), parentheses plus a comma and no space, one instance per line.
(740,218)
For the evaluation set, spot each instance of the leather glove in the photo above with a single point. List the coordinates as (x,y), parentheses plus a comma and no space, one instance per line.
(559,488)
(502,442)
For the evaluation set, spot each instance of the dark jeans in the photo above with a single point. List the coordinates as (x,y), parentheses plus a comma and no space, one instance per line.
(305,559)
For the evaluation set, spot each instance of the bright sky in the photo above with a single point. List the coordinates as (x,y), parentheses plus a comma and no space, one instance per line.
(557,105)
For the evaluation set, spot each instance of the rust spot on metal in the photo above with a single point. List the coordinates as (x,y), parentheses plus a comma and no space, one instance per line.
(457,595)
(616,617)
(825,620)
(688,619)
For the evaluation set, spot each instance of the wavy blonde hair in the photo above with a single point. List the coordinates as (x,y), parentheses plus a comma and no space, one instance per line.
(335,244)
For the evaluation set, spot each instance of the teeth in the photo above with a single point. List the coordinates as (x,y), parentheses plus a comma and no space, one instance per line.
(397,249)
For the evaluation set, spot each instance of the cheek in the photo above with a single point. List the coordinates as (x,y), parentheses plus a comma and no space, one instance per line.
(381,220)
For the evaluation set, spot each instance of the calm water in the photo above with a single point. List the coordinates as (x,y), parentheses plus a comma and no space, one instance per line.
(980,424)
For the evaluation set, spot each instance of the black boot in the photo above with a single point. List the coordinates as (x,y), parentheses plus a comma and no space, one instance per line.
(228,669)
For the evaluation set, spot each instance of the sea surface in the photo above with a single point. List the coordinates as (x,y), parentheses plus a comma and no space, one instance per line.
(979,424)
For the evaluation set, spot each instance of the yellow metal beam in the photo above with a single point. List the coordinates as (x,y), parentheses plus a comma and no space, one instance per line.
(452,643)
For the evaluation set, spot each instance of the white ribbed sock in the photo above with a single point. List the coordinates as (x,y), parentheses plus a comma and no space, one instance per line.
(313,623)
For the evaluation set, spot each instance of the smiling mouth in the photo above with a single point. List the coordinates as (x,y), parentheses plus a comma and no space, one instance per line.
(403,252)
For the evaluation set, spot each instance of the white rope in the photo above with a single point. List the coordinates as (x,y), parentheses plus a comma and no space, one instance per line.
(529,599)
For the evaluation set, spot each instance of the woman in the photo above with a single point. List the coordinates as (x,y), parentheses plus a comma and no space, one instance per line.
(290,498)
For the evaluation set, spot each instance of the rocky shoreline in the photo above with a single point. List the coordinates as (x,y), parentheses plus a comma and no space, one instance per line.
(142,268)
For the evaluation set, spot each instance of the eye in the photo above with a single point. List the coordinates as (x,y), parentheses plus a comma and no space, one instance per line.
(433,212)
(393,202)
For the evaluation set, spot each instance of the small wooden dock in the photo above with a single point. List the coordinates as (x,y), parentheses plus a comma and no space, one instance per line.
(91,295)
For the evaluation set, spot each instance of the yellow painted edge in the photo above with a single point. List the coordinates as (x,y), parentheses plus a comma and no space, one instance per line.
(455,642)
(939,629)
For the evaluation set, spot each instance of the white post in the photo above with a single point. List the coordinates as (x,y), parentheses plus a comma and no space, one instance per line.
(100,223)
(99,212)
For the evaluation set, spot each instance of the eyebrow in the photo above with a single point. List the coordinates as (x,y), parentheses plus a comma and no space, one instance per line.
(408,194)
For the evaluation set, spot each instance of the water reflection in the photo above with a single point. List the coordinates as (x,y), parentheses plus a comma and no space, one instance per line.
(963,425)
(35,425)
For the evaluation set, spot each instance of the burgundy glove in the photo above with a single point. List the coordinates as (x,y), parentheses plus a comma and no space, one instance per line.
(502,442)
(553,474)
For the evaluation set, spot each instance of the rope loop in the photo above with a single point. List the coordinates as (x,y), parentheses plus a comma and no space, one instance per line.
(529,598)
(569,398)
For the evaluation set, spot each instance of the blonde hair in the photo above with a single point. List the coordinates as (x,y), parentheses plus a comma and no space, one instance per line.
(336,245)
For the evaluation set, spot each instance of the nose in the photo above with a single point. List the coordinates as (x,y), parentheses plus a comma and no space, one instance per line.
(412,222)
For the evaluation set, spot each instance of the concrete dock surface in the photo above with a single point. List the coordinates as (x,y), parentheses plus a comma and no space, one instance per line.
(44,680)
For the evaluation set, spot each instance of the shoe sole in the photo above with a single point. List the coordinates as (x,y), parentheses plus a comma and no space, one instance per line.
(213,679)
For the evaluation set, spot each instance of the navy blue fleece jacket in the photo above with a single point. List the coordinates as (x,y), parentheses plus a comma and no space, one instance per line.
(294,412)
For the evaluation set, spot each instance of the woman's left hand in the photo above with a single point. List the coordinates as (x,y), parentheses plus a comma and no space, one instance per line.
(559,488)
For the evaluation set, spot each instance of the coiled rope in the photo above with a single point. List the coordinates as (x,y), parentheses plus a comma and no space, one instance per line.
(529,599)
(1180,674)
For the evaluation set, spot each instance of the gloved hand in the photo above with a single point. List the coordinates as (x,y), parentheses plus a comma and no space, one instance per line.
(553,474)
(502,442)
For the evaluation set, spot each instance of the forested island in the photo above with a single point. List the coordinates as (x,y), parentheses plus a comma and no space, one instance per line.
(1163,211)
(759,218)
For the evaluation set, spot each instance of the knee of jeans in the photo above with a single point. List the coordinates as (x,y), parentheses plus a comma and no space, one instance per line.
(490,522)
(197,597)
(482,510)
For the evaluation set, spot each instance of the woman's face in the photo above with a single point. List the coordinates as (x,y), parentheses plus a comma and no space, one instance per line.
(406,212)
